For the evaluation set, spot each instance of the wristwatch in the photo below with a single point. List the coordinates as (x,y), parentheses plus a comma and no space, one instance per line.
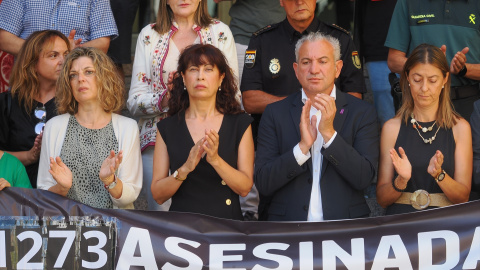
(113,184)
(175,174)
(462,72)
(440,176)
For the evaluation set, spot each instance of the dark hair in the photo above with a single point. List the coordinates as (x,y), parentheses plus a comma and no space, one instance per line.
(428,54)
(24,80)
(200,54)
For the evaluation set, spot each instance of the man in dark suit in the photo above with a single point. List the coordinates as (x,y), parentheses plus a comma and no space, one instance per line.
(318,148)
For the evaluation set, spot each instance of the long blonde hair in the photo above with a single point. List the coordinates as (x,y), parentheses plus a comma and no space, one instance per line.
(24,80)
(165,16)
(428,54)
(111,93)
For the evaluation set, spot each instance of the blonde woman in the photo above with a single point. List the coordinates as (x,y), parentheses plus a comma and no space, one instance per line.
(91,154)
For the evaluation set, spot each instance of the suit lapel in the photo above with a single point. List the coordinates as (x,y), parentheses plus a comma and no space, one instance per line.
(296,112)
(340,116)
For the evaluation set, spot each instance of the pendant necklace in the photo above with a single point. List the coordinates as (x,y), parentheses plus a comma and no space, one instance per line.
(418,127)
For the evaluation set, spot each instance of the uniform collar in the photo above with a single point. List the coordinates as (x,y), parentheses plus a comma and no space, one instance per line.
(294,35)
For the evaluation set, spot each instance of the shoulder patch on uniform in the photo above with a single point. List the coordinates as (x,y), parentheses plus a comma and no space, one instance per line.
(265,29)
(250,56)
(356,60)
(338,28)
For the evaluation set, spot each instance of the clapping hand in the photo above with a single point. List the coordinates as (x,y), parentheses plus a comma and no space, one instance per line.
(4,183)
(61,173)
(308,128)
(35,150)
(166,97)
(109,166)
(459,61)
(195,155)
(326,105)
(435,165)
(210,146)
(74,42)
(401,163)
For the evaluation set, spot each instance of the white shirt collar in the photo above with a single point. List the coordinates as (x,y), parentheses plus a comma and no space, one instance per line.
(332,94)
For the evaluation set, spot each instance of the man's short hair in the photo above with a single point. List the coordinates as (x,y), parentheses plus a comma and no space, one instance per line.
(318,36)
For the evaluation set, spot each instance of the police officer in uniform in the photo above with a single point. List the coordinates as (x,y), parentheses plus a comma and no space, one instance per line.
(268,74)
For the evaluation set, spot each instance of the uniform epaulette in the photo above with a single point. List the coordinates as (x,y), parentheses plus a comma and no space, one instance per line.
(265,29)
(338,28)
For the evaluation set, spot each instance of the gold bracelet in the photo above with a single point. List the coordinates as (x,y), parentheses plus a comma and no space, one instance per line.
(108,179)
(394,184)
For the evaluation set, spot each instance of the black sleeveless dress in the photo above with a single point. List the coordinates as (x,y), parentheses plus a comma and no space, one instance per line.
(204,191)
(419,154)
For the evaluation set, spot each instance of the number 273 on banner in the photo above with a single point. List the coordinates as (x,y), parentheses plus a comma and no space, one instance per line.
(72,247)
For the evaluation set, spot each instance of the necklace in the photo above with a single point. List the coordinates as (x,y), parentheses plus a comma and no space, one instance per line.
(424,129)
(416,126)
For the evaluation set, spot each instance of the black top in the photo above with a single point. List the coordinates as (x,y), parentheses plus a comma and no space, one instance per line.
(17,128)
(419,155)
(376,20)
(203,191)
(271,54)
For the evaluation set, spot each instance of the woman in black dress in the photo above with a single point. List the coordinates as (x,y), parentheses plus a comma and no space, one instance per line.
(206,143)
(31,101)
(433,166)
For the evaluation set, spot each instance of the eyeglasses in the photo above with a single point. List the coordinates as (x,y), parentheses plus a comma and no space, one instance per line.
(41,114)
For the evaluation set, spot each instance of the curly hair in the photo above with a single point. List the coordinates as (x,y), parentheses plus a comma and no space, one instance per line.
(111,93)
(165,16)
(24,80)
(428,54)
(201,54)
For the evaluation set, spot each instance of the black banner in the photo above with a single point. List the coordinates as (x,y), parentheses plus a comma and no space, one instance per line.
(447,238)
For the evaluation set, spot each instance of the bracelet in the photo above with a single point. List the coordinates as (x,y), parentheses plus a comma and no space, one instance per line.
(395,185)
(108,179)
(462,72)
(112,184)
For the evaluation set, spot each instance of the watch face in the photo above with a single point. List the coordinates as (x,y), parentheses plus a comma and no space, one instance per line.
(441,176)
(112,185)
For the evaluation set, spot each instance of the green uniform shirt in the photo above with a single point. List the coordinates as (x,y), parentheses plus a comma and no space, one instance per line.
(250,15)
(454,23)
(12,170)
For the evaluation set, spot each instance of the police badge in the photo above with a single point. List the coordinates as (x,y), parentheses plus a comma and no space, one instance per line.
(274,66)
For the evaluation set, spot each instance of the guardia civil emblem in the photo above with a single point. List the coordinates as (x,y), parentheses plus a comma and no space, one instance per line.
(274,66)
(356,60)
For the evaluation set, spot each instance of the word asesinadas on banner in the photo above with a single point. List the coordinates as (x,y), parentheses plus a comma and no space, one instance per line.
(270,257)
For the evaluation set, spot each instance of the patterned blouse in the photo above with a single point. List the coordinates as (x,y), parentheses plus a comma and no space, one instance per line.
(84,151)
(148,86)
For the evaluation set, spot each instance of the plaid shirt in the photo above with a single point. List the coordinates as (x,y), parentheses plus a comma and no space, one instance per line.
(91,18)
